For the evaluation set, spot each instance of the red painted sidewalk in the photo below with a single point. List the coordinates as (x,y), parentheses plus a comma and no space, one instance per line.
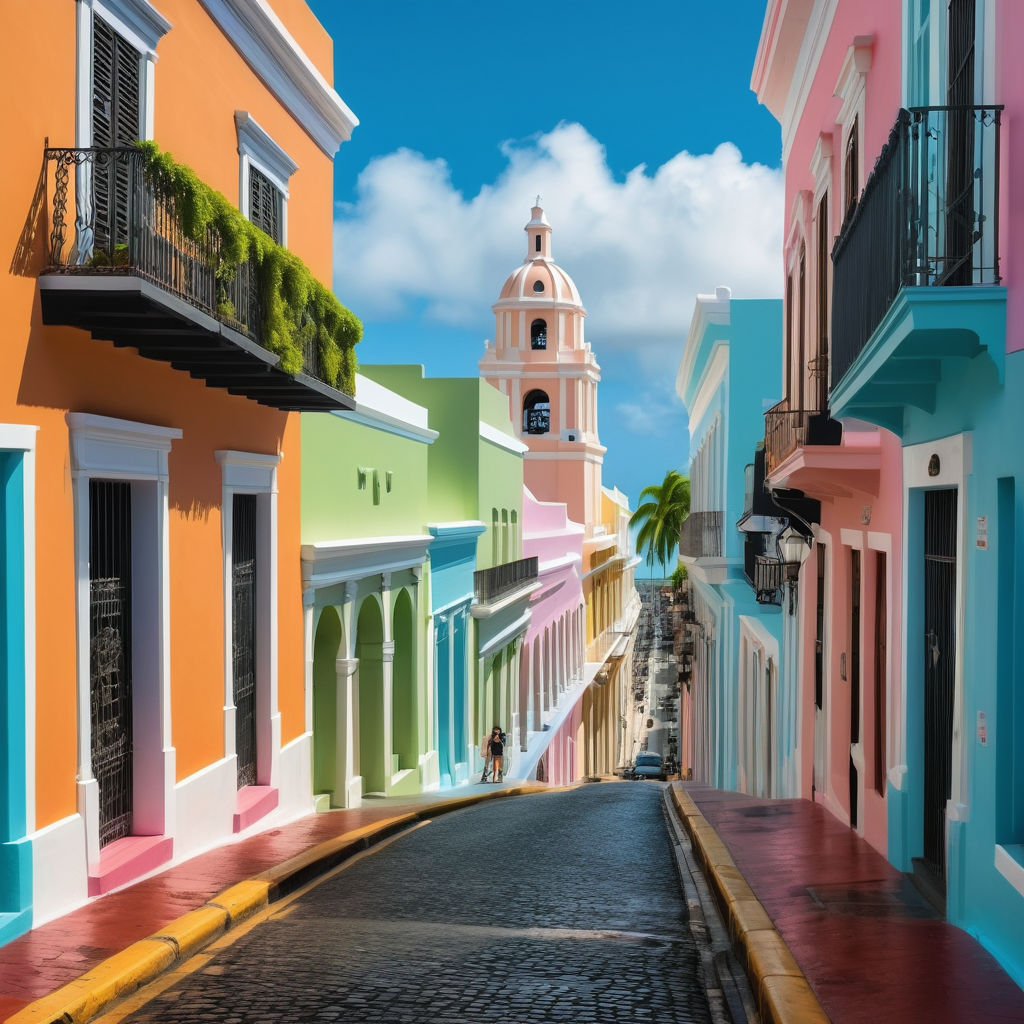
(870,946)
(56,953)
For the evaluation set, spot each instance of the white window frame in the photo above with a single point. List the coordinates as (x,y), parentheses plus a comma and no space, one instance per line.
(105,448)
(254,473)
(851,90)
(140,24)
(257,149)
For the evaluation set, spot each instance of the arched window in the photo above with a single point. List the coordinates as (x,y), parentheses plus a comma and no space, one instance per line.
(536,413)
(539,334)
(538,286)
(536,244)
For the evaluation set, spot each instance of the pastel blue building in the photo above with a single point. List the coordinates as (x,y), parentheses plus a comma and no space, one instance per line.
(924,343)
(452,564)
(743,706)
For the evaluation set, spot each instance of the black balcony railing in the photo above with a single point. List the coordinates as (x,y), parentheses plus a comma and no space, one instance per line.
(701,535)
(928,216)
(787,429)
(490,584)
(767,580)
(108,220)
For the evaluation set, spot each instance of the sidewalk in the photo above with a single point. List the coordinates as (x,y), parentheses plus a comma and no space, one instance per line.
(61,951)
(869,945)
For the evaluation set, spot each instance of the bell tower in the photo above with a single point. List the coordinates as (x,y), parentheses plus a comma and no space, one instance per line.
(540,360)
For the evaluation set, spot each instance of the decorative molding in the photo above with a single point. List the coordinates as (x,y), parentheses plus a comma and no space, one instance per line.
(263,151)
(122,448)
(708,310)
(821,165)
(270,50)
(327,563)
(17,437)
(851,84)
(248,472)
(137,20)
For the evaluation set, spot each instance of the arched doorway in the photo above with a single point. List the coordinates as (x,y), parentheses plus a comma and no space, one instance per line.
(460,683)
(404,746)
(443,722)
(326,644)
(369,650)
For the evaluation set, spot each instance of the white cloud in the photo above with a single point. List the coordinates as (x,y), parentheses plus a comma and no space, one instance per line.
(639,249)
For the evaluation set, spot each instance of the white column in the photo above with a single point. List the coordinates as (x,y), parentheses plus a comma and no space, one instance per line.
(347,784)
(308,623)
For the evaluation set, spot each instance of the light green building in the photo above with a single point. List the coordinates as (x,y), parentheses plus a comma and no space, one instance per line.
(365,575)
(475,483)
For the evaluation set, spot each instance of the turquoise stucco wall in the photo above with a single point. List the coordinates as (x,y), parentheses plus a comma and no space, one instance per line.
(15,848)
(979,899)
(750,384)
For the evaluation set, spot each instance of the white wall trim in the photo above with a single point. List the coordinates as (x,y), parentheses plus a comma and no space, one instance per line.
(253,473)
(502,440)
(327,563)
(270,50)
(115,449)
(1009,862)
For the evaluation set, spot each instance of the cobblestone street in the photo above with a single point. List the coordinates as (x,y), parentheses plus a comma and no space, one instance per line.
(562,907)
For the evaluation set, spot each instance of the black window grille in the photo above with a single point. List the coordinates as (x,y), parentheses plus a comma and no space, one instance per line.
(539,334)
(536,413)
(116,121)
(265,204)
(110,661)
(243,633)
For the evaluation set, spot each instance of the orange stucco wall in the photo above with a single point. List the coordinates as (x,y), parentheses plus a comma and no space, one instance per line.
(46,371)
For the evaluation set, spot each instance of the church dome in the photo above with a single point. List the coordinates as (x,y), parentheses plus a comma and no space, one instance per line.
(539,277)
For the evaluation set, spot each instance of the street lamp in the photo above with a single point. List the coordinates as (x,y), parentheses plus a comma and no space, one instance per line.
(792,546)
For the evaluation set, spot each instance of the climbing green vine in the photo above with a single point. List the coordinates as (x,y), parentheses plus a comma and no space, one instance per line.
(296,309)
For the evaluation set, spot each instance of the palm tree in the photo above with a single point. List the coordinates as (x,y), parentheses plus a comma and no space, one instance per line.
(660,518)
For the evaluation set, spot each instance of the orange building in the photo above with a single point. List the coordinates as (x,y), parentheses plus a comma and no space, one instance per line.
(156,352)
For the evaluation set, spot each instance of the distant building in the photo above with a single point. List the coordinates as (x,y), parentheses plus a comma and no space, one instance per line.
(543,365)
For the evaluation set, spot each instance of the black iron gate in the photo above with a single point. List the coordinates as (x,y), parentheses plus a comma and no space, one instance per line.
(939,663)
(243,633)
(110,662)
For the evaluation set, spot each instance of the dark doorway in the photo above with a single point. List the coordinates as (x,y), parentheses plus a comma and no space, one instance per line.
(243,633)
(939,664)
(110,652)
(881,667)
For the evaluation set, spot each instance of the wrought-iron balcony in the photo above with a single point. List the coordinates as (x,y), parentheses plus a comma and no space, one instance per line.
(916,266)
(767,579)
(121,265)
(786,430)
(700,536)
(491,585)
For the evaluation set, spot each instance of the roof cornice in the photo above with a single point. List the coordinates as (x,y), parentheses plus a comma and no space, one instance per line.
(272,52)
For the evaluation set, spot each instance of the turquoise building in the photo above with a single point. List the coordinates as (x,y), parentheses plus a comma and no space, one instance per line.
(742,710)
(17,601)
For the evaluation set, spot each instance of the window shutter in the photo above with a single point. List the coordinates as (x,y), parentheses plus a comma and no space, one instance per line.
(264,204)
(116,120)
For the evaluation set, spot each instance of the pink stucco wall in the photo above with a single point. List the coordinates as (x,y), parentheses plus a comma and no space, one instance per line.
(1009,85)
(843,515)
(549,534)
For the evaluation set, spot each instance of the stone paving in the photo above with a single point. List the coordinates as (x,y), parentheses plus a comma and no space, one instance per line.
(562,907)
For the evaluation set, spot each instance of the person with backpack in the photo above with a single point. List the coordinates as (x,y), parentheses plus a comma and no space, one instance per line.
(497,750)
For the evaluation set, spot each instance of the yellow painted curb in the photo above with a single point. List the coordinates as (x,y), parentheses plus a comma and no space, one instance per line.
(91,993)
(190,932)
(86,996)
(789,1000)
(746,916)
(784,994)
(243,899)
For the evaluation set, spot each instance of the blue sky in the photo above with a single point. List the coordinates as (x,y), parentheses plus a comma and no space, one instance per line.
(657,168)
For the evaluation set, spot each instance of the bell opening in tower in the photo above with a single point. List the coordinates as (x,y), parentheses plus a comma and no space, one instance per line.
(539,334)
(536,413)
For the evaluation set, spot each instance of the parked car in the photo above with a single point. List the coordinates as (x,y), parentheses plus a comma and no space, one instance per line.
(648,766)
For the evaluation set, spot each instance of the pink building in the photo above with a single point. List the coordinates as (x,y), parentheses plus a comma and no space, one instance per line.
(830,73)
(552,660)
